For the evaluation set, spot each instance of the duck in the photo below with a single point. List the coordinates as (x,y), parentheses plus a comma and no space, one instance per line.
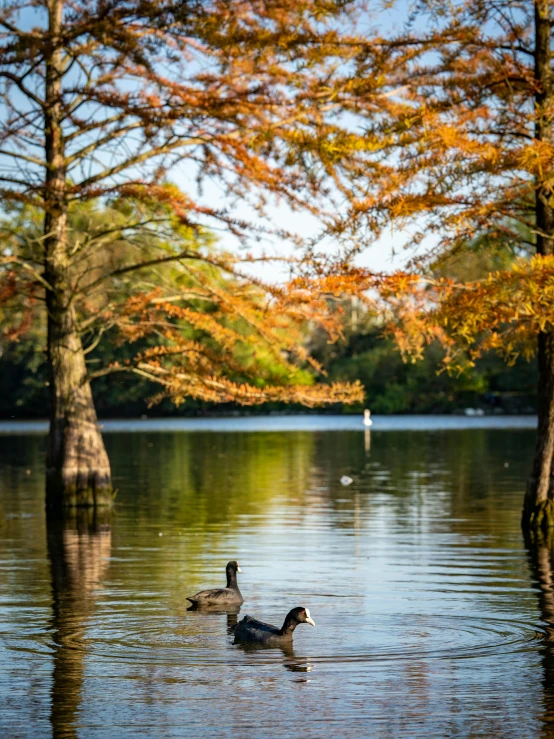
(228,596)
(252,631)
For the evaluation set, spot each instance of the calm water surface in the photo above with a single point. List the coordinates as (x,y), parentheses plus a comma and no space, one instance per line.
(433,619)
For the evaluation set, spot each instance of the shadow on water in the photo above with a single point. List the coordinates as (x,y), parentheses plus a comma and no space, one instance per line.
(296,663)
(79,546)
(230,611)
(291,660)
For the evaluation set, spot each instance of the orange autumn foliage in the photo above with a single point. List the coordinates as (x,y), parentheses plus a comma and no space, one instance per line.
(196,326)
(102,102)
(461,147)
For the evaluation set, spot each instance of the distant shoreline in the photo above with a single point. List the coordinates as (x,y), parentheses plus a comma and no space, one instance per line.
(289,423)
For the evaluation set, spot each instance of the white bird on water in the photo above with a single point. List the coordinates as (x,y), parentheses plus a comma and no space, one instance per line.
(367,419)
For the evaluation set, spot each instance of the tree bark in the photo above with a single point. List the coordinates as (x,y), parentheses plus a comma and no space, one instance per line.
(77,468)
(538,509)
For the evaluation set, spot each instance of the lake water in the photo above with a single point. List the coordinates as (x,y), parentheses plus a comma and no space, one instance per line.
(433,619)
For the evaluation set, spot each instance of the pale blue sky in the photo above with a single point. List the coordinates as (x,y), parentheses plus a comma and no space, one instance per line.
(387,254)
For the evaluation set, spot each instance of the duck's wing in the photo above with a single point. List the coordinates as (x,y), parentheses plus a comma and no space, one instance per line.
(253,623)
(213,596)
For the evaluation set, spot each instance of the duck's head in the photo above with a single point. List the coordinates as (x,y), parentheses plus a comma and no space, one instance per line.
(232,569)
(300,615)
(233,566)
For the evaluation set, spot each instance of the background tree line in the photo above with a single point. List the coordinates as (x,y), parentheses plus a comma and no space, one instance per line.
(363,352)
(391,385)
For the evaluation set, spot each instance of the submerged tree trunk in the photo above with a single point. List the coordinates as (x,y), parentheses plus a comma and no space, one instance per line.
(538,509)
(77,467)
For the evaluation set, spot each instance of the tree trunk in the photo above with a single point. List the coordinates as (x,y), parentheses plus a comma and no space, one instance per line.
(77,467)
(538,509)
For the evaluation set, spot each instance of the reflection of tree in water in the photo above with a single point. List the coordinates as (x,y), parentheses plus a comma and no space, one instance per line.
(460,475)
(208,480)
(541,558)
(79,546)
